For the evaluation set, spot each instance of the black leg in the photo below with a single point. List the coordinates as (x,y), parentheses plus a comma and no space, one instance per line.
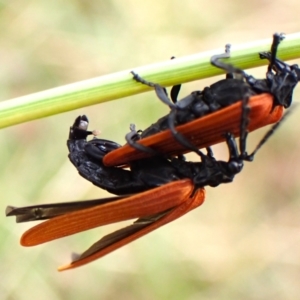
(228,68)
(277,38)
(134,136)
(160,91)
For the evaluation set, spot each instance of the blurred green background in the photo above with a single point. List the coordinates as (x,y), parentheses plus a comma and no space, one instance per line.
(243,243)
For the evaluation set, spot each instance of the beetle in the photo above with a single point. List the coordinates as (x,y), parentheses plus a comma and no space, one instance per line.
(163,190)
(202,118)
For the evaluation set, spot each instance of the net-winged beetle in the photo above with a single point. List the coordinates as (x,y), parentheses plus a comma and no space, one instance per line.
(163,189)
(203,117)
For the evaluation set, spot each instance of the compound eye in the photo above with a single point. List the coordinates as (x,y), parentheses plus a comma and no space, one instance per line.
(103,145)
(104,149)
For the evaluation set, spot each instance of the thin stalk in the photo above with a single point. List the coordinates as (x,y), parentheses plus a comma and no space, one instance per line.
(118,85)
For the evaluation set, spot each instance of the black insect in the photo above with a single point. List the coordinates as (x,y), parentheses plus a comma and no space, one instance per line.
(163,188)
(276,88)
(151,172)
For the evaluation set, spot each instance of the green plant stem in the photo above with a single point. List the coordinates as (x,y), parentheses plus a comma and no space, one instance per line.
(119,85)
